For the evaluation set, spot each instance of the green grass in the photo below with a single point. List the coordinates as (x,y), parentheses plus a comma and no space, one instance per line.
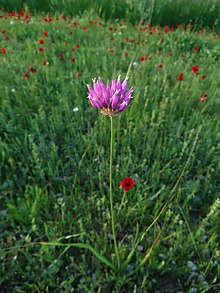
(156,12)
(55,162)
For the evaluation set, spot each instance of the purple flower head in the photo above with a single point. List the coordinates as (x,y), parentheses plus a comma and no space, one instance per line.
(111,100)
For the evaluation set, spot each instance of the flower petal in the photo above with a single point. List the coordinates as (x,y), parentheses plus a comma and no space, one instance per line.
(123,105)
(115,100)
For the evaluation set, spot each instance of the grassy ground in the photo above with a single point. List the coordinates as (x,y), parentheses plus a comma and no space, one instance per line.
(55,155)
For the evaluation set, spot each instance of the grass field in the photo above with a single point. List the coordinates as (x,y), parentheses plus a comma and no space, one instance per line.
(55,155)
(160,12)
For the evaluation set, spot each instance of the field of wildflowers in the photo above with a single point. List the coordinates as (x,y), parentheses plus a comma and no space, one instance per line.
(60,231)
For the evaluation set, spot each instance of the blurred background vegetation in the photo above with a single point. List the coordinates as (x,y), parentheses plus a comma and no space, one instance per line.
(155,12)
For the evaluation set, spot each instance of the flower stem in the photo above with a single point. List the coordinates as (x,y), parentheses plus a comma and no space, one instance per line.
(111,197)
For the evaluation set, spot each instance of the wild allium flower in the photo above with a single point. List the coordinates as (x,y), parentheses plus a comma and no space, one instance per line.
(111,100)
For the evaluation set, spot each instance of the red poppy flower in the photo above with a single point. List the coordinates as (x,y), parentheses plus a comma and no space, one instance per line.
(32,70)
(195,69)
(160,65)
(3,50)
(196,48)
(60,55)
(166,29)
(203,77)
(78,74)
(77,46)
(3,31)
(26,75)
(41,41)
(40,49)
(180,77)
(73,59)
(45,34)
(127,183)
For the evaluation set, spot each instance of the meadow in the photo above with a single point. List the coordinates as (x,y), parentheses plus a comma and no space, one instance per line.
(54,153)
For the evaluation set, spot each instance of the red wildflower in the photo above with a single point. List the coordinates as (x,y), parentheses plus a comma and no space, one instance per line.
(160,65)
(203,97)
(180,77)
(78,74)
(195,69)
(45,34)
(60,55)
(169,54)
(203,77)
(196,48)
(40,49)
(77,46)
(3,50)
(148,57)
(73,59)
(3,31)
(182,55)
(127,183)
(32,70)
(41,41)
(166,29)
(26,75)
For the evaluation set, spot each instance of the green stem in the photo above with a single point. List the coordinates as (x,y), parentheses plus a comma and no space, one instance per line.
(111,197)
